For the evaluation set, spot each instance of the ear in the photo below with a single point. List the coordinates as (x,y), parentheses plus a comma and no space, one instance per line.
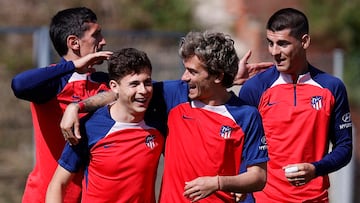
(305,41)
(73,42)
(113,86)
(219,78)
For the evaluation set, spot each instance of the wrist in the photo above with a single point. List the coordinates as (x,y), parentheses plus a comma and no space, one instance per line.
(218,183)
(81,106)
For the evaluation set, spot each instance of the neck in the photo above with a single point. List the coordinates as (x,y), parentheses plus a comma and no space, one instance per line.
(219,97)
(120,114)
(304,69)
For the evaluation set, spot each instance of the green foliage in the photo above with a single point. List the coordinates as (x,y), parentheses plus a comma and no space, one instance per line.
(336,24)
(167,15)
(16,58)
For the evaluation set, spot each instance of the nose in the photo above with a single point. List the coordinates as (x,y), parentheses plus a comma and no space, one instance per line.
(102,41)
(185,76)
(142,88)
(274,50)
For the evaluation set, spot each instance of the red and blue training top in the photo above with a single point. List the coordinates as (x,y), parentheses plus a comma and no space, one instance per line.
(50,90)
(121,159)
(206,140)
(299,121)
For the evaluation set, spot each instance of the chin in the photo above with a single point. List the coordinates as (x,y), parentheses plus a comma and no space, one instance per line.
(281,68)
(192,96)
(141,109)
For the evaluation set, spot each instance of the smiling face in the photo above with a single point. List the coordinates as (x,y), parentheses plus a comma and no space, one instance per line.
(288,52)
(201,84)
(134,92)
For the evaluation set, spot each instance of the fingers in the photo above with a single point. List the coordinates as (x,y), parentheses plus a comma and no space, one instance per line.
(239,196)
(298,182)
(196,196)
(85,63)
(246,57)
(77,130)
(73,141)
(69,137)
(195,191)
(295,175)
(192,193)
(255,68)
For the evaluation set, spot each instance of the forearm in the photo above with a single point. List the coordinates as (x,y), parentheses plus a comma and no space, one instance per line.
(55,193)
(97,101)
(56,189)
(251,181)
(38,83)
(336,159)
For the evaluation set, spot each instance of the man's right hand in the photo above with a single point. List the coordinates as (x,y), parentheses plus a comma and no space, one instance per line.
(247,70)
(85,63)
(70,124)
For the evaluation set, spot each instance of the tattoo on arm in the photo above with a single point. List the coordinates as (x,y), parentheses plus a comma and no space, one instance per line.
(99,100)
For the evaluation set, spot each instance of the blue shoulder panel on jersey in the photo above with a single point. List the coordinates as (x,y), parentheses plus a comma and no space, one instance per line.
(174,92)
(252,89)
(76,156)
(97,125)
(249,119)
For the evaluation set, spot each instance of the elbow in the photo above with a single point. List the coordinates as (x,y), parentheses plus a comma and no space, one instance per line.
(261,177)
(261,181)
(17,87)
(348,157)
(20,90)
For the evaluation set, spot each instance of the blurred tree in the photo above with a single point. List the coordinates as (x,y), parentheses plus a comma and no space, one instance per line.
(338,22)
(164,15)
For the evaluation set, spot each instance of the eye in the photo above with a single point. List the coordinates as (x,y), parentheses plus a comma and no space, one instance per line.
(270,43)
(192,71)
(148,82)
(283,43)
(134,83)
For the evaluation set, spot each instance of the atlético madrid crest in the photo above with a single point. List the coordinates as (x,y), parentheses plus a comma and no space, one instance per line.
(225,131)
(150,141)
(316,102)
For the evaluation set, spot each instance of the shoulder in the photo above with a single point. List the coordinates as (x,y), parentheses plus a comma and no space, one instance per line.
(334,84)
(96,117)
(240,109)
(261,81)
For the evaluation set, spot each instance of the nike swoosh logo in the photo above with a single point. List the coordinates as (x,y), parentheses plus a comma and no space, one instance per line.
(186,117)
(271,103)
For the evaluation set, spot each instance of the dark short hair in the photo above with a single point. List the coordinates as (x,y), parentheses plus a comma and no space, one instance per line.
(215,50)
(289,18)
(71,21)
(127,61)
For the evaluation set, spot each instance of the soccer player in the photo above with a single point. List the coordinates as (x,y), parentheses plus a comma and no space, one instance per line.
(215,144)
(119,149)
(211,133)
(77,38)
(303,109)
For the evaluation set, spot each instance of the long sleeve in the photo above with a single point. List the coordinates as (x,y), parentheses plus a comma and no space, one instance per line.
(41,84)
